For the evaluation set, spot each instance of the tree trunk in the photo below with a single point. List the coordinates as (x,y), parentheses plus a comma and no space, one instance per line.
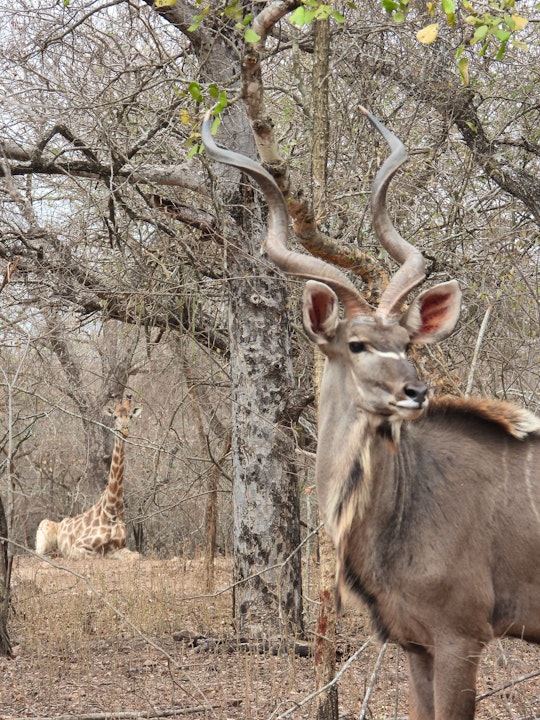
(5,643)
(325,637)
(210,527)
(210,511)
(268,597)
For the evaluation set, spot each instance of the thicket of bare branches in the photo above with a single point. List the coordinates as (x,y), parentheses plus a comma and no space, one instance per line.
(129,257)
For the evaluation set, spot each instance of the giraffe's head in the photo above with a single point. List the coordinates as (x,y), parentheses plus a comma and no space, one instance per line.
(122,412)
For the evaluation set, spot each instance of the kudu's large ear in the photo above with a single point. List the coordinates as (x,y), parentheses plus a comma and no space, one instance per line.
(321,312)
(434,313)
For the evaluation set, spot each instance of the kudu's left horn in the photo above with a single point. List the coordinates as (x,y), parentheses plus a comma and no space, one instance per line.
(292,263)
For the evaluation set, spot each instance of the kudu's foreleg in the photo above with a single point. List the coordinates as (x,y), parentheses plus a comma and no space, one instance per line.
(421,697)
(443,685)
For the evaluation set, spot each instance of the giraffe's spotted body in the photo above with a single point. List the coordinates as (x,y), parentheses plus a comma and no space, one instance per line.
(101,530)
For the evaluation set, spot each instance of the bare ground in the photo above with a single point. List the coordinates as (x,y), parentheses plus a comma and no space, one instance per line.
(95,639)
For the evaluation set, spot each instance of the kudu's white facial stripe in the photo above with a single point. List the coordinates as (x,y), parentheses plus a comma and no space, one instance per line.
(381,353)
(390,354)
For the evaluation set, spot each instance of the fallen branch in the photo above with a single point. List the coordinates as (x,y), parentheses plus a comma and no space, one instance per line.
(508,684)
(128,715)
(313,695)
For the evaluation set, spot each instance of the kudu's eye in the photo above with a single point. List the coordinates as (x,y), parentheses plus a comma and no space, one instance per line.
(357,347)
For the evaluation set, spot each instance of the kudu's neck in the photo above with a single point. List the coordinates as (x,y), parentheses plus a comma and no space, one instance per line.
(355,441)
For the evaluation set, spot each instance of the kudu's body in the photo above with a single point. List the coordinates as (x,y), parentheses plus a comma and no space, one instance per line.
(436,522)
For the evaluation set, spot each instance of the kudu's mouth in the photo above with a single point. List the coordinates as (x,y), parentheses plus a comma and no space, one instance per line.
(414,404)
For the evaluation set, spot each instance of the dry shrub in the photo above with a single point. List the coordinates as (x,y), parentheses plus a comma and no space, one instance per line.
(97,636)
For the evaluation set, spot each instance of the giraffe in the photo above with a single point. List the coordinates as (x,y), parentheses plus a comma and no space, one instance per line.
(101,530)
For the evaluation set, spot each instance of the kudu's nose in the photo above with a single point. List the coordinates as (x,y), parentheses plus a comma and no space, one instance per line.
(416,391)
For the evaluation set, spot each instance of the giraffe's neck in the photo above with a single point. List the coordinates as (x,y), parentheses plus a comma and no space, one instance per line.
(113,496)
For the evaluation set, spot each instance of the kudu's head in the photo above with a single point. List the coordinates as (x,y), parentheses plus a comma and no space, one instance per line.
(367,349)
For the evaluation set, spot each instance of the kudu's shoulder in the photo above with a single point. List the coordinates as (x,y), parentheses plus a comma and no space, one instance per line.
(516,421)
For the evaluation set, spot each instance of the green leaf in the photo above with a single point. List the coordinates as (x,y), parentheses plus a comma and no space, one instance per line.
(338,17)
(502,35)
(389,5)
(297,17)
(232,10)
(251,36)
(479,34)
(193,150)
(215,125)
(501,52)
(449,7)
(484,48)
(399,17)
(323,12)
(197,20)
(221,103)
(463,67)
(213,91)
(195,91)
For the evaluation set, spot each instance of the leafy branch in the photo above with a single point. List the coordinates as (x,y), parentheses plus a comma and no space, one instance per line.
(495,23)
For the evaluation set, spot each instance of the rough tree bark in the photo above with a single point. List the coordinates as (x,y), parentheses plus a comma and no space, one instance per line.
(268,597)
(5,643)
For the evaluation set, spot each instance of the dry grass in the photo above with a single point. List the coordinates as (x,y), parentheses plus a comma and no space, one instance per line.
(101,641)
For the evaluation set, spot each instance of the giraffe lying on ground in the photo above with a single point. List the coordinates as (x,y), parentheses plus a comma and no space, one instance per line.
(101,530)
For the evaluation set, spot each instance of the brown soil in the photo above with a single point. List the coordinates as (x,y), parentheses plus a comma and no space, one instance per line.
(100,641)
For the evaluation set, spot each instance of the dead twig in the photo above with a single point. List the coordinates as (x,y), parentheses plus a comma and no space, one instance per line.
(127,715)
(373,680)
(507,685)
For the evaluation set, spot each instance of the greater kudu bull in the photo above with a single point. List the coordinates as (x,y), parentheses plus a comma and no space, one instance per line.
(436,522)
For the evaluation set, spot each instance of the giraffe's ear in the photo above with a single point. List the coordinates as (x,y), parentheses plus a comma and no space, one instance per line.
(136,412)
(109,411)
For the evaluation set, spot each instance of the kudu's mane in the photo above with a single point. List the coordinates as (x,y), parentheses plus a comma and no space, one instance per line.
(514,420)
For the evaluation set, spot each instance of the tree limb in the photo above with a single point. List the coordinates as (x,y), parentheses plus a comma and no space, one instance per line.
(457,103)
(182,175)
(300,208)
